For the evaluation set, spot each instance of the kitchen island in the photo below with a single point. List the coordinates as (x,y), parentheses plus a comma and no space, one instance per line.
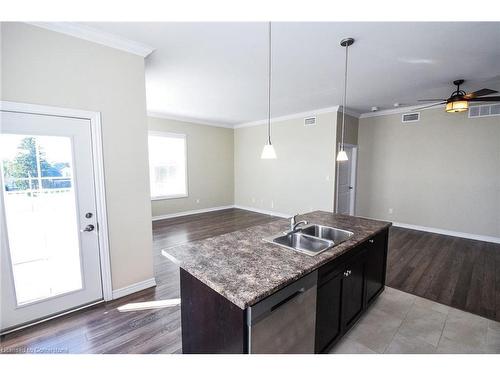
(236,289)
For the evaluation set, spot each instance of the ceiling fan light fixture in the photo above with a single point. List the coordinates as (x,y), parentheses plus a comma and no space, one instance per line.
(457,106)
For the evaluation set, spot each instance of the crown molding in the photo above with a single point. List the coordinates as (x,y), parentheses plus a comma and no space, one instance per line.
(97,36)
(288,117)
(191,120)
(398,110)
(292,116)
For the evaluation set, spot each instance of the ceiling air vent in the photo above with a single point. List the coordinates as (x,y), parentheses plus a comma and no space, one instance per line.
(309,121)
(410,117)
(484,110)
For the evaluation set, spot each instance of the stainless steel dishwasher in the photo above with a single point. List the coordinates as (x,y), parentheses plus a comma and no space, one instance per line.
(285,322)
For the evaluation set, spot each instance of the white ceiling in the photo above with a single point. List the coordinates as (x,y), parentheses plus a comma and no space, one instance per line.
(217,72)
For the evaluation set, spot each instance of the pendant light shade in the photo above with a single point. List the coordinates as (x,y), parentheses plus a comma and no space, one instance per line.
(342,155)
(268,151)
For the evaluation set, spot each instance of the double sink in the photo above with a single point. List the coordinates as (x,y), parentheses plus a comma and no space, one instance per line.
(312,239)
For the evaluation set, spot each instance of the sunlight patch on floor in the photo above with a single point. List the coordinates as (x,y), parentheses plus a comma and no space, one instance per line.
(149,305)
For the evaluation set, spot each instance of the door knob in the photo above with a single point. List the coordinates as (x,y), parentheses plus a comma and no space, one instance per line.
(88,228)
(350,187)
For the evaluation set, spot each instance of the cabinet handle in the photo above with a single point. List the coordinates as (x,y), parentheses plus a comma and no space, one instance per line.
(371,241)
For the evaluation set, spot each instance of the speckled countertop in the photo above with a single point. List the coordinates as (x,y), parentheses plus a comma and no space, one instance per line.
(243,268)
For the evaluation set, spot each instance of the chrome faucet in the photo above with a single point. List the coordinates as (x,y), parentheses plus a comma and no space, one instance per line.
(294,224)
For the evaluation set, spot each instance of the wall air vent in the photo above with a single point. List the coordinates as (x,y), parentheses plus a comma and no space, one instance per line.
(484,110)
(309,121)
(410,117)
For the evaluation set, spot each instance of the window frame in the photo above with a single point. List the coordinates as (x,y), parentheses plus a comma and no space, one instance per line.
(157,133)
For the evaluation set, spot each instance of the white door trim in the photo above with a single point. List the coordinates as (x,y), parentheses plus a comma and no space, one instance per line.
(352,203)
(98,166)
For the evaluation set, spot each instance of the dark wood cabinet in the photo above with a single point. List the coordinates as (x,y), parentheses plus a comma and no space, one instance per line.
(375,266)
(346,287)
(353,291)
(328,310)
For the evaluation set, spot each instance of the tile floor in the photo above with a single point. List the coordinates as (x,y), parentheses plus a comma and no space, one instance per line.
(399,322)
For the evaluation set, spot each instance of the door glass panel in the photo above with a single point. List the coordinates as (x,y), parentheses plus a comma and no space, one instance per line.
(41,215)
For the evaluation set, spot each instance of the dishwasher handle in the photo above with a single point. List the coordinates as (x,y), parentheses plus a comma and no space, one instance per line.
(270,304)
(290,297)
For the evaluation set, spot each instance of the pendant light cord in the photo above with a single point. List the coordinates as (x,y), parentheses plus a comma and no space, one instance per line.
(345,97)
(269,90)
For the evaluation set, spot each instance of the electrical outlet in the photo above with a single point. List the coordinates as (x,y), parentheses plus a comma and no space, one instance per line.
(391,211)
(197,201)
(272,204)
(253,200)
(327,178)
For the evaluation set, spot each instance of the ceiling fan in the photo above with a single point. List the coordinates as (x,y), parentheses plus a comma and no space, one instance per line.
(459,99)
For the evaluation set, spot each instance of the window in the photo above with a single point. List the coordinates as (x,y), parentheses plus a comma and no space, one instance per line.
(167,165)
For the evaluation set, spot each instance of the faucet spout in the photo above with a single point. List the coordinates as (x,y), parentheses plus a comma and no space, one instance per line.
(294,224)
(295,227)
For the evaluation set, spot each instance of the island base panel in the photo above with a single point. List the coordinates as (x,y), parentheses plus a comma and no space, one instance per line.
(210,323)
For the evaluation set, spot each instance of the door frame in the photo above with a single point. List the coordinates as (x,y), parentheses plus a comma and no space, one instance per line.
(98,172)
(354,169)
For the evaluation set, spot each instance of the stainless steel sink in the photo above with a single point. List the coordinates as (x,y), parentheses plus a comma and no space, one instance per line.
(312,239)
(301,242)
(328,233)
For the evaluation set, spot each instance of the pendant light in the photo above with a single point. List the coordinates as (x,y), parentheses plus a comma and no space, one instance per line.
(268,150)
(342,155)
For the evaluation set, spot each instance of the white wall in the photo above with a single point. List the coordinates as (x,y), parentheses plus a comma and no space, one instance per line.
(300,180)
(48,68)
(442,172)
(210,167)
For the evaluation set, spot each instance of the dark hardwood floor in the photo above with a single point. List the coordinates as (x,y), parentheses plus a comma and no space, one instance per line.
(103,329)
(461,273)
(457,272)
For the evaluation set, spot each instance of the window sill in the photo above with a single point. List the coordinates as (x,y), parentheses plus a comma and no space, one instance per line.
(165,197)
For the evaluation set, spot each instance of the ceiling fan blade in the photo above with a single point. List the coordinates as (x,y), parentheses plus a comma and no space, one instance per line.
(430,100)
(479,93)
(486,99)
(430,106)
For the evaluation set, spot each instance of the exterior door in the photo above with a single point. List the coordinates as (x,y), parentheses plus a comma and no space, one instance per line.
(345,184)
(50,249)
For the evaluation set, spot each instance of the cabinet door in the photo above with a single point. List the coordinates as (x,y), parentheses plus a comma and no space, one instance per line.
(375,266)
(328,305)
(352,291)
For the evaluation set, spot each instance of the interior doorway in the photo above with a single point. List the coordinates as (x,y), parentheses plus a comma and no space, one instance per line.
(345,197)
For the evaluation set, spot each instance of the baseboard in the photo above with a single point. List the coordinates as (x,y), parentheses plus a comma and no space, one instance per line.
(265,212)
(448,232)
(191,212)
(137,287)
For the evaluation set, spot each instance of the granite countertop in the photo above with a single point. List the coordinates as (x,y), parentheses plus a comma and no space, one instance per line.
(244,269)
